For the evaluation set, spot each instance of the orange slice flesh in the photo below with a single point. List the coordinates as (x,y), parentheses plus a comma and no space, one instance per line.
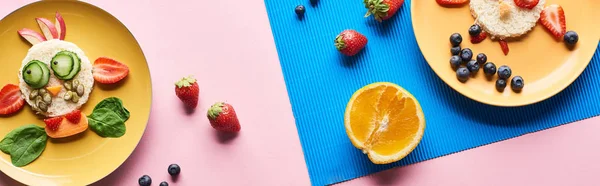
(384,121)
(54,90)
(66,128)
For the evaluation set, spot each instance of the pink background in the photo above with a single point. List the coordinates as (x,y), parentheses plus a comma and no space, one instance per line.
(228,47)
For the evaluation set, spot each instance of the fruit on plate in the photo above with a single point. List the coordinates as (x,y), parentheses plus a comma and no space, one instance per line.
(502,19)
(530,4)
(48,28)
(384,121)
(466,55)
(36,74)
(66,65)
(188,92)
(504,72)
(553,18)
(68,125)
(109,71)
(571,38)
(61,26)
(455,39)
(455,50)
(481,58)
(504,46)
(382,9)
(474,30)
(223,118)
(451,2)
(350,42)
(455,62)
(500,85)
(489,69)
(54,90)
(473,66)
(517,83)
(31,36)
(462,74)
(10,99)
(478,38)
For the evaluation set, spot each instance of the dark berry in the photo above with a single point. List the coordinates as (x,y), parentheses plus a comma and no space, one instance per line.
(164,183)
(455,50)
(474,30)
(174,169)
(300,10)
(504,72)
(489,69)
(462,73)
(145,180)
(500,84)
(466,54)
(455,62)
(473,66)
(517,83)
(455,39)
(481,58)
(571,37)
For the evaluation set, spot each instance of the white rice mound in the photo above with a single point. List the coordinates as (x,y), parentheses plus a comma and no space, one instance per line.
(517,23)
(44,52)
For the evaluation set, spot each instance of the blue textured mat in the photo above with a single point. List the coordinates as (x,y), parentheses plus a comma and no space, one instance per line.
(320,82)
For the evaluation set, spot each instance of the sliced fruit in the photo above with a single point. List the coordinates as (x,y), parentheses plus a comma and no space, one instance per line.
(108,71)
(384,121)
(66,65)
(54,90)
(479,38)
(48,28)
(504,46)
(31,36)
(67,128)
(74,117)
(529,4)
(10,99)
(451,2)
(52,124)
(61,27)
(36,74)
(553,18)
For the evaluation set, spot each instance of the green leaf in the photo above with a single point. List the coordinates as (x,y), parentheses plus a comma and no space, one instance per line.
(107,123)
(116,105)
(28,144)
(9,139)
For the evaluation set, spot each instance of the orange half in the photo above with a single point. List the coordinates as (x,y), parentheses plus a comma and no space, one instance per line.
(385,121)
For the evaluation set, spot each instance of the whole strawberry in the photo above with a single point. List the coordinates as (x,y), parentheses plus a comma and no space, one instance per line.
(187,90)
(382,9)
(350,42)
(222,117)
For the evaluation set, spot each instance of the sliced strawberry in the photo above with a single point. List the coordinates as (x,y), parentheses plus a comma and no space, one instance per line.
(74,117)
(53,123)
(451,2)
(527,3)
(504,46)
(479,38)
(108,71)
(10,99)
(553,18)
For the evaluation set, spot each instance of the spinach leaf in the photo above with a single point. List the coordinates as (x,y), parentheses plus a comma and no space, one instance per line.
(116,105)
(25,144)
(9,139)
(106,123)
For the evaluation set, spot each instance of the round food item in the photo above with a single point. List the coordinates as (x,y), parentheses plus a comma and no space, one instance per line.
(503,19)
(44,53)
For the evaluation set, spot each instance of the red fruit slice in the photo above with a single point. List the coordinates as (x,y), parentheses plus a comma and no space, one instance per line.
(74,117)
(527,3)
(451,2)
(479,38)
(10,99)
(53,123)
(48,28)
(61,27)
(108,71)
(66,128)
(504,46)
(553,18)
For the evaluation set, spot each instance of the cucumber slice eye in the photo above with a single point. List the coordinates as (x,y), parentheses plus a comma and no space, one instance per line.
(65,65)
(36,74)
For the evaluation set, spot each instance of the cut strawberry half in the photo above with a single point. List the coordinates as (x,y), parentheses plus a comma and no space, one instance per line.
(10,99)
(504,46)
(451,2)
(53,123)
(74,117)
(530,4)
(109,71)
(553,18)
(479,38)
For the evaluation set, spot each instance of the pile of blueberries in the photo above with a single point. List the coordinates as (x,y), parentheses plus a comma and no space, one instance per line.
(173,170)
(462,61)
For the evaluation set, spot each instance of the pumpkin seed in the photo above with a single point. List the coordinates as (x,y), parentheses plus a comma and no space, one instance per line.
(80,90)
(42,91)
(39,99)
(68,96)
(47,98)
(75,98)
(68,85)
(33,94)
(42,106)
(75,83)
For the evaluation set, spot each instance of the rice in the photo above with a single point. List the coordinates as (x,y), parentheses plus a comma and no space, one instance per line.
(44,52)
(518,22)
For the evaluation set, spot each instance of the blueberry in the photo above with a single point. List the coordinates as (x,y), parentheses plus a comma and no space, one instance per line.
(174,169)
(481,58)
(571,37)
(517,83)
(455,50)
(489,69)
(455,39)
(466,54)
(462,73)
(455,62)
(145,180)
(504,72)
(473,66)
(500,84)
(475,30)
(164,183)
(300,10)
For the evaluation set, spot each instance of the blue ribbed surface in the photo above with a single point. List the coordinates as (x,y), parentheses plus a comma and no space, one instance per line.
(320,82)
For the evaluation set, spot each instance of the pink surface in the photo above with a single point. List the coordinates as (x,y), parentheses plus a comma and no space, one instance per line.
(189,37)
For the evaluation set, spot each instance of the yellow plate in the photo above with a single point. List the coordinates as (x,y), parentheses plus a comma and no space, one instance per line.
(546,65)
(86,158)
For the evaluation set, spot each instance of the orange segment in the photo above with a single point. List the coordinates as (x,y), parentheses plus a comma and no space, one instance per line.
(54,90)
(385,121)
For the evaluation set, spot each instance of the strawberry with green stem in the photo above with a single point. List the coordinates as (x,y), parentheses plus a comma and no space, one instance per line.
(188,91)
(350,42)
(382,9)
(223,118)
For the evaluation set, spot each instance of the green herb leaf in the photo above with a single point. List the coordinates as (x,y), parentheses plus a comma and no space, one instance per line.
(28,143)
(9,139)
(116,105)
(106,123)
